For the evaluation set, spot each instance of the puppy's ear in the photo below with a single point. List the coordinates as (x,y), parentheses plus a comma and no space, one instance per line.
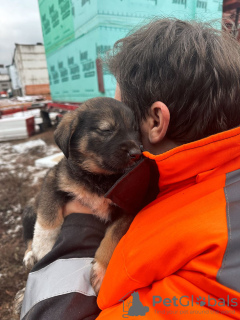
(64,131)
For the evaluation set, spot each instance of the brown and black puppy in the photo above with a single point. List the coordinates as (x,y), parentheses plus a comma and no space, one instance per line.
(99,140)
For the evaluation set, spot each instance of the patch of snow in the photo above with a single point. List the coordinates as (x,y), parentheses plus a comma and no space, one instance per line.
(17,208)
(31,169)
(10,167)
(10,221)
(38,175)
(15,230)
(50,161)
(26,146)
(26,98)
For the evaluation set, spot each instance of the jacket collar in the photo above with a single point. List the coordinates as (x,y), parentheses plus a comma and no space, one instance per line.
(189,160)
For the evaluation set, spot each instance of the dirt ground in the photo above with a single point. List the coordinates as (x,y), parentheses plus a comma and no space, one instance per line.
(20,180)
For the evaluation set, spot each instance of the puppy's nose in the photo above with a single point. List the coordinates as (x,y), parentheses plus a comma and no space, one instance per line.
(134,153)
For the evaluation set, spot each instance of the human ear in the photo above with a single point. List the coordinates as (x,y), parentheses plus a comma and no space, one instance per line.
(117,93)
(158,122)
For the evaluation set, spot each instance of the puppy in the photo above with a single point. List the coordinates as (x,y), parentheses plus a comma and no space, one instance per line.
(99,140)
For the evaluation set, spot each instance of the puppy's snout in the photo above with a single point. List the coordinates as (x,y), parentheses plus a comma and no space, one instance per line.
(134,153)
(132,149)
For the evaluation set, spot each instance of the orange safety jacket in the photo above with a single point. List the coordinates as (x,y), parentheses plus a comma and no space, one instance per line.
(182,252)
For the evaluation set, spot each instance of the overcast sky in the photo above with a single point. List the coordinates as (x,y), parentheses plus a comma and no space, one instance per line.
(19,23)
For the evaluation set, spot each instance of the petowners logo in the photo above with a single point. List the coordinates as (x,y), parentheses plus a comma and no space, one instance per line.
(186,301)
(133,306)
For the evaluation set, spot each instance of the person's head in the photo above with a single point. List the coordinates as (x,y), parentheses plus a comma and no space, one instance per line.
(190,68)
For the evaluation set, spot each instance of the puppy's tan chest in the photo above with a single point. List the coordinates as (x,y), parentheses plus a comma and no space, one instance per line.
(99,205)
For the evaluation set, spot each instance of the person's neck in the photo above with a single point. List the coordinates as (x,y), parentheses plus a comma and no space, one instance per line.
(163,146)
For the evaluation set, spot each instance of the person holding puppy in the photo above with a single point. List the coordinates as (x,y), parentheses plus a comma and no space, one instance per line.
(180,254)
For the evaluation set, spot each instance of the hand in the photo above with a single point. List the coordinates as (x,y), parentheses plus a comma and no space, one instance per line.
(75,206)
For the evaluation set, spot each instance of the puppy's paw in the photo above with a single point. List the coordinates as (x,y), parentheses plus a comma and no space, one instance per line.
(40,250)
(17,304)
(43,240)
(29,260)
(97,274)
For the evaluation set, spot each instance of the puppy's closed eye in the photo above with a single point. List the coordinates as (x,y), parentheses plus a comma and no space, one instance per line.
(105,131)
(105,126)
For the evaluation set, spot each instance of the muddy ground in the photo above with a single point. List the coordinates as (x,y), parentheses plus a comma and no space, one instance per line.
(20,180)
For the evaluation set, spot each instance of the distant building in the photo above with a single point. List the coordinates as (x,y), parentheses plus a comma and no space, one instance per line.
(28,71)
(5,82)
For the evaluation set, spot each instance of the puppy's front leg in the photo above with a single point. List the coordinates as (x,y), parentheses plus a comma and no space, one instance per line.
(44,238)
(49,219)
(45,234)
(113,235)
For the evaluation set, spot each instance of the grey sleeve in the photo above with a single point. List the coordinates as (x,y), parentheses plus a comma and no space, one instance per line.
(58,286)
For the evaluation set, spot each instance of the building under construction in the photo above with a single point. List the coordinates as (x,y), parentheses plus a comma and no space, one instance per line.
(79,32)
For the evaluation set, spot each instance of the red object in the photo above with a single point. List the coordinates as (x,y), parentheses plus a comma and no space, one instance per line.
(30,126)
(230,5)
(12,110)
(37,89)
(100,75)
(50,105)
(62,106)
